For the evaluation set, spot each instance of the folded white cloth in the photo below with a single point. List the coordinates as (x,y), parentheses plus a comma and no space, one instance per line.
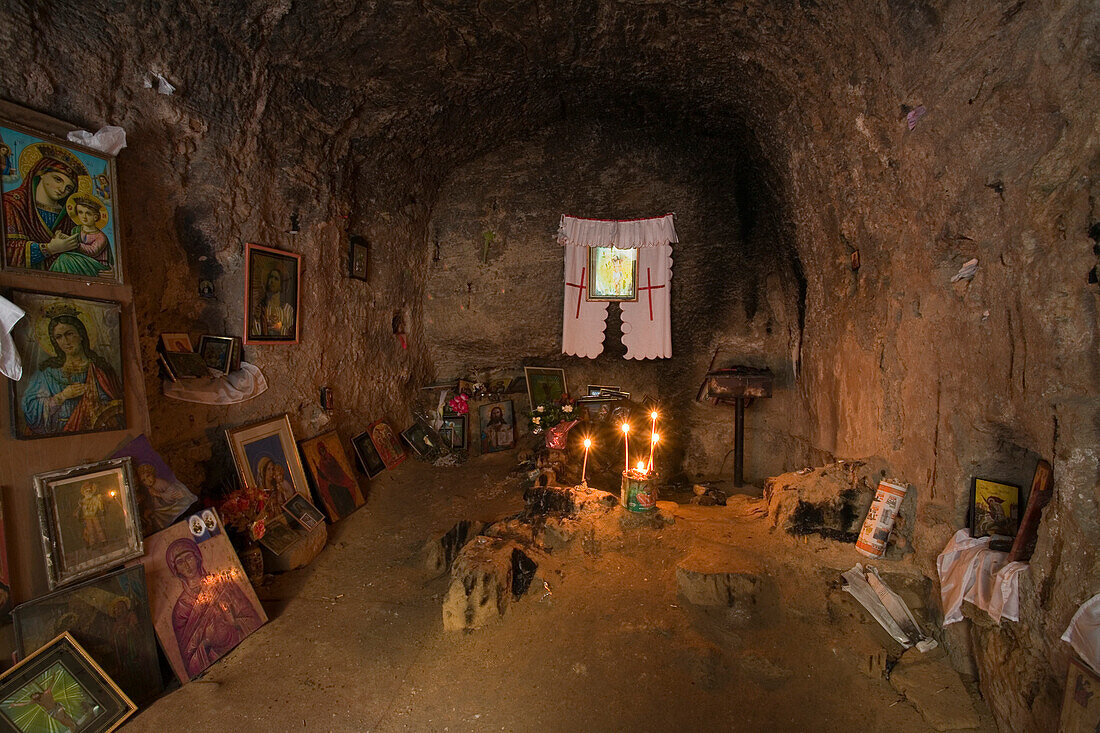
(624,234)
(1083,633)
(228,389)
(970,571)
(11,366)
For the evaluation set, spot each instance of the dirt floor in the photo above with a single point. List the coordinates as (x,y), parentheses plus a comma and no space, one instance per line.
(356,642)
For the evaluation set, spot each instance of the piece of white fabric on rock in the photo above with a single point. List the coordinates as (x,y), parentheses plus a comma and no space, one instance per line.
(11,366)
(583,321)
(228,389)
(1083,632)
(970,571)
(647,321)
(627,234)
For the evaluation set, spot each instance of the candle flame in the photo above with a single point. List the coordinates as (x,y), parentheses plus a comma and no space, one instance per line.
(655,437)
(653,414)
(587,443)
(626,427)
(641,467)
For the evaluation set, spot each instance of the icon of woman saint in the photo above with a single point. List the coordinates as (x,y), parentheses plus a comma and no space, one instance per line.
(210,616)
(38,227)
(272,477)
(74,390)
(274,316)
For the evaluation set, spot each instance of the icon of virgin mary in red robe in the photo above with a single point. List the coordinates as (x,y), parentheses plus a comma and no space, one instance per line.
(37,226)
(212,615)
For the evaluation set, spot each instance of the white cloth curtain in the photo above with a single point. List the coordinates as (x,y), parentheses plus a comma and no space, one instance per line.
(628,234)
(647,321)
(583,321)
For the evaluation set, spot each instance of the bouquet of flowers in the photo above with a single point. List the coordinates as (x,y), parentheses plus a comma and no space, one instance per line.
(459,404)
(545,417)
(244,511)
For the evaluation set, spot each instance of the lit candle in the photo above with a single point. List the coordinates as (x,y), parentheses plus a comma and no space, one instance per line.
(626,444)
(641,467)
(653,415)
(584,467)
(652,444)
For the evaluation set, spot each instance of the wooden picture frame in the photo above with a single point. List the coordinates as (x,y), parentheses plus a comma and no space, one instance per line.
(89,520)
(595,390)
(358,258)
(994,508)
(176,342)
(453,431)
(370,462)
(217,352)
(61,688)
(109,617)
(497,426)
(423,442)
(95,327)
(334,481)
(279,536)
(302,511)
(266,455)
(272,298)
(82,184)
(387,443)
(545,385)
(1081,703)
(613,274)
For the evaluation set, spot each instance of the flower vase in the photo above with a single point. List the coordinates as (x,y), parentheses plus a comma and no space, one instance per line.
(252,558)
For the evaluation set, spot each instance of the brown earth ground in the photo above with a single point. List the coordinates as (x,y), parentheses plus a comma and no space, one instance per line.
(356,642)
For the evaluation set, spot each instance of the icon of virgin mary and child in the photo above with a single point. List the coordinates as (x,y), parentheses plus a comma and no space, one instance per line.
(50,221)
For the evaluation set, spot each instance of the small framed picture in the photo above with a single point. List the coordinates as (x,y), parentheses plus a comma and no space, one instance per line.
(595,410)
(272,295)
(186,365)
(303,512)
(994,508)
(613,274)
(420,438)
(497,423)
(594,390)
(358,257)
(337,487)
(387,443)
(175,342)
(61,215)
(266,455)
(1081,704)
(88,516)
(72,357)
(545,385)
(278,535)
(453,432)
(109,617)
(217,352)
(370,462)
(61,688)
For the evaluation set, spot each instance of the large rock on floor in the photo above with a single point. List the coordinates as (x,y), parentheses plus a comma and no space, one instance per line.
(488,573)
(930,684)
(570,500)
(439,552)
(730,580)
(832,500)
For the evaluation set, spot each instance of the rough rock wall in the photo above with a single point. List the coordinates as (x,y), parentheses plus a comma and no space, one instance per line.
(335,108)
(494,290)
(221,162)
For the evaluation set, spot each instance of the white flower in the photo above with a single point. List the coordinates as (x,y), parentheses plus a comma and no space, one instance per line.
(540,408)
(536,420)
(567,408)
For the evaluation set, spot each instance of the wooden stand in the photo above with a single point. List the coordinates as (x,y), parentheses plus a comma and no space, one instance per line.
(736,386)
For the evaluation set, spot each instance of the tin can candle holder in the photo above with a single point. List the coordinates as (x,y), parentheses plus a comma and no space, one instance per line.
(639,491)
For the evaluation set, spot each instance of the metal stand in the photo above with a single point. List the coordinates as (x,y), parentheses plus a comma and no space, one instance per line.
(739,442)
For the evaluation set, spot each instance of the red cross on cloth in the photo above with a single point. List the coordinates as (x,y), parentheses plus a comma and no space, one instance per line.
(580,294)
(650,287)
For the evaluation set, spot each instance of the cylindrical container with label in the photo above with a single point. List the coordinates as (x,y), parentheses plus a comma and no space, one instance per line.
(639,491)
(880,518)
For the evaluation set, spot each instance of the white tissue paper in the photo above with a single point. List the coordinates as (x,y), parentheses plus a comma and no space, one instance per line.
(109,139)
(1083,633)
